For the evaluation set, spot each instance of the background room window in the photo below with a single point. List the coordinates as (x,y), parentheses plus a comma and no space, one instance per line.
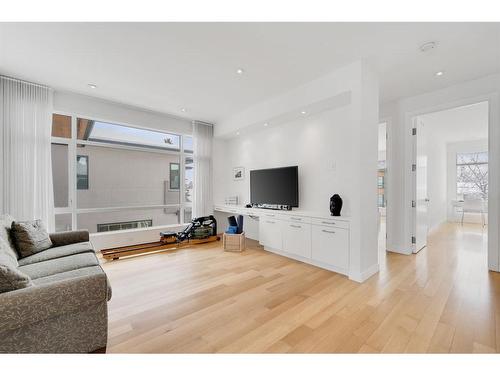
(175,176)
(188,179)
(381,184)
(82,172)
(472,175)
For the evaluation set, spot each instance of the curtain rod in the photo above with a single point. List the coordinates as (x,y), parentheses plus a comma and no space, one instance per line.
(23,81)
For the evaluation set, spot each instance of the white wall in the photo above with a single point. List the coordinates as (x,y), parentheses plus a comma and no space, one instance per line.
(334,145)
(319,145)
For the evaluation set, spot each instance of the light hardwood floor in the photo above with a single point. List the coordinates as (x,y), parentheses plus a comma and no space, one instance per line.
(442,299)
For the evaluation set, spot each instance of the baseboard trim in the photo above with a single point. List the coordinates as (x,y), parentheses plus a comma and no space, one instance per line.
(365,275)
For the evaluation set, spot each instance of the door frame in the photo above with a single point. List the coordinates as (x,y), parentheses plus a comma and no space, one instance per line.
(493,174)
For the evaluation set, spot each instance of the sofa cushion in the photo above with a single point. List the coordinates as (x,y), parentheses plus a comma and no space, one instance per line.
(87,271)
(65,264)
(69,237)
(5,224)
(11,278)
(58,252)
(30,237)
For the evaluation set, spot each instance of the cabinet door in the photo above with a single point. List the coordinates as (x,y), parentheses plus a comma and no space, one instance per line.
(270,233)
(331,245)
(297,239)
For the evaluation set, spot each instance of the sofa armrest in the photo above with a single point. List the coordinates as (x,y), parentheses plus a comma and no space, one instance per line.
(69,237)
(40,302)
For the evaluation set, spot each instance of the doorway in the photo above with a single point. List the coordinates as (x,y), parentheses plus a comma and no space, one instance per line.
(382,186)
(450,172)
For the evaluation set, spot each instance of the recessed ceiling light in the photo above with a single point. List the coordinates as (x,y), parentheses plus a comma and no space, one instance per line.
(183,109)
(303,112)
(428,46)
(265,124)
(240,71)
(92,86)
(439,74)
(237,133)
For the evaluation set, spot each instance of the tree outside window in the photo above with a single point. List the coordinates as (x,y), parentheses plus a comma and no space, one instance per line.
(472,175)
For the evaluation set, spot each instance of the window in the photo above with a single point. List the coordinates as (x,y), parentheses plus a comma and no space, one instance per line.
(472,175)
(122,178)
(139,177)
(188,179)
(188,144)
(175,176)
(381,200)
(380,182)
(82,172)
(381,187)
(97,131)
(61,126)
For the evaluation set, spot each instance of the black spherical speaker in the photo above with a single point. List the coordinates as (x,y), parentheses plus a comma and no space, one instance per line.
(335,205)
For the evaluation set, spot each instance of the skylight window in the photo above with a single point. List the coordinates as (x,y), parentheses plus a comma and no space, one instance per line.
(97,131)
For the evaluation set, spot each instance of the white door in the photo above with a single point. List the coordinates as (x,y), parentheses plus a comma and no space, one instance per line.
(421,199)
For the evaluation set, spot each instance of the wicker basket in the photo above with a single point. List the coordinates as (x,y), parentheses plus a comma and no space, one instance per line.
(233,242)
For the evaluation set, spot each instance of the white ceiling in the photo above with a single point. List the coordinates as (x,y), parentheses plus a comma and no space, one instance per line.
(465,123)
(168,66)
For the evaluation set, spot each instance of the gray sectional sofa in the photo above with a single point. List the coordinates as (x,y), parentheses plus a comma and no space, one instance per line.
(65,309)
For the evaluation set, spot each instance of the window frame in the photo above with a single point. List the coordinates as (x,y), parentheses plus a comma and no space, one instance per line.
(73,143)
(457,165)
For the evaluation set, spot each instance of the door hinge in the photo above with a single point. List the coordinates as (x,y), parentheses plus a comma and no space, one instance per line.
(413,205)
(413,167)
(413,240)
(414,131)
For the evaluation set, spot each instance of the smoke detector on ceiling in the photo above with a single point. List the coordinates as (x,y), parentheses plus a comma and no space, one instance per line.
(428,46)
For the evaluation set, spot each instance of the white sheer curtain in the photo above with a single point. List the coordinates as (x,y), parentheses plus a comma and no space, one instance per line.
(26,190)
(202,150)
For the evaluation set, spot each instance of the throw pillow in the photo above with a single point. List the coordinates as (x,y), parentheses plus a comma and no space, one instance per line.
(30,237)
(10,276)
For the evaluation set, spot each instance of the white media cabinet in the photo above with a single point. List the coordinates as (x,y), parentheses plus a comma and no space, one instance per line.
(314,238)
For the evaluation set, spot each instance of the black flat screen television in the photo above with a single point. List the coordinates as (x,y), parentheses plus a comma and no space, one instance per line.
(276,186)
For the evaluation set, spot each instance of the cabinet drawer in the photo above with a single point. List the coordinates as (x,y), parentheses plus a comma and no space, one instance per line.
(295,219)
(297,238)
(331,222)
(270,233)
(269,215)
(331,245)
